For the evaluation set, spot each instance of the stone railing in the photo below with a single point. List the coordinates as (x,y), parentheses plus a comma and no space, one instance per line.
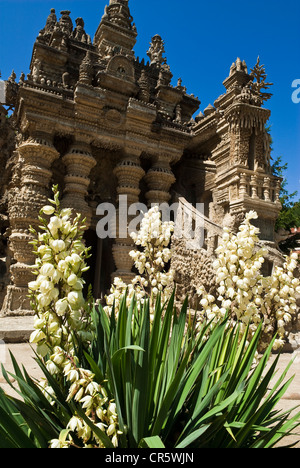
(241,184)
(198,231)
(193,244)
(259,187)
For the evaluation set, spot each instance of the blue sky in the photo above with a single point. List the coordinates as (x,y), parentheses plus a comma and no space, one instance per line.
(202,39)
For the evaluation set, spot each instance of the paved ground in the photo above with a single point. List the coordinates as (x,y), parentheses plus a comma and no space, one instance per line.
(25,356)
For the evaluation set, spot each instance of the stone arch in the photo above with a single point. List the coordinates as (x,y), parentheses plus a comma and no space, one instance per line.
(120,65)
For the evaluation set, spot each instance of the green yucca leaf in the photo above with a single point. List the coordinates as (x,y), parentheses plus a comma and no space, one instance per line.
(152,443)
(14,434)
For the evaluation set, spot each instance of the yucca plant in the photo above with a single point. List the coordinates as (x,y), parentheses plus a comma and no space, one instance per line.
(31,421)
(184,388)
(173,387)
(138,372)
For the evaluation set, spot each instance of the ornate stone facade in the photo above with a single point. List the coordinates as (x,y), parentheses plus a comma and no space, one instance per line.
(99,122)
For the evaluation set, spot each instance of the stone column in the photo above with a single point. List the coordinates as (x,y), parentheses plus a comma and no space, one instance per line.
(243,186)
(277,191)
(159,179)
(254,187)
(129,174)
(35,158)
(79,162)
(266,186)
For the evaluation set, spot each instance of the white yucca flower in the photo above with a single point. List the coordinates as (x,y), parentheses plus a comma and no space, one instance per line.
(60,316)
(242,289)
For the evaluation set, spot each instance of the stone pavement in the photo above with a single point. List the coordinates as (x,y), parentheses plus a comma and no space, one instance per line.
(291,399)
(16,329)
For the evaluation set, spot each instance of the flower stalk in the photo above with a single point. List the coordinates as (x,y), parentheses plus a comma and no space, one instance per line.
(63,322)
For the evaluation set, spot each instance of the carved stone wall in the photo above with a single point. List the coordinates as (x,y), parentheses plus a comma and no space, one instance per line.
(7,163)
(193,269)
(35,158)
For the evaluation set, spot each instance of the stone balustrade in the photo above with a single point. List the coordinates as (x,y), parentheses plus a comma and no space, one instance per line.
(258,187)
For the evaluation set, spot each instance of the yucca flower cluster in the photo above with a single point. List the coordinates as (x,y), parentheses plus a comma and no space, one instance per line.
(151,256)
(243,292)
(282,288)
(62,321)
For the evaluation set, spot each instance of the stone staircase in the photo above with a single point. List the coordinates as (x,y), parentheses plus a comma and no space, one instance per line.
(16,329)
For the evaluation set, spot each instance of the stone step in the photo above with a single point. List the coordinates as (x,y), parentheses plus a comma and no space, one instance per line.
(16,329)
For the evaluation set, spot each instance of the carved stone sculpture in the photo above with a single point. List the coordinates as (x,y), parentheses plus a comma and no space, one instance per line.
(156,51)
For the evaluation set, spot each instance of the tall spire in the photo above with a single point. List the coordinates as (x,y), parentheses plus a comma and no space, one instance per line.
(124,2)
(116,28)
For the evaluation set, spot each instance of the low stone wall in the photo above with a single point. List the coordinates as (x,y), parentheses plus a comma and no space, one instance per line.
(193,268)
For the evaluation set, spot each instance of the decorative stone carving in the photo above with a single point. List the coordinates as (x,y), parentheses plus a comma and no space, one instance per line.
(156,51)
(243,185)
(121,66)
(116,29)
(159,180)
(254,187)
(65,23)
(129,174)
(118,13)
(259,83)
(36,69)
(239,66)
(267,185)
(79,33)
(78,162)
(11,90)
(36,156)
(86,70)
(50,23)
(144,94)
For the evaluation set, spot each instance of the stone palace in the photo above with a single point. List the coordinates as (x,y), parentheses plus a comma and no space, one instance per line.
(99,122)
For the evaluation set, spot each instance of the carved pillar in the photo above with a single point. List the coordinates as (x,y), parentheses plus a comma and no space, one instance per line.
(247,134)
(79,163)
(254,187)
(266,186)
(129,174)
(159,180)
(239,139)
(35,158)
(242,147)
(277,191)
(243,185)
